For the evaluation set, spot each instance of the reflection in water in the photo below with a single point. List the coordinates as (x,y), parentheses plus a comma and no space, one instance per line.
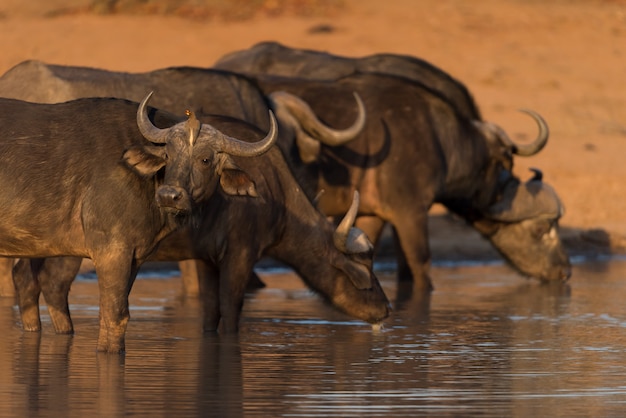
(486,342)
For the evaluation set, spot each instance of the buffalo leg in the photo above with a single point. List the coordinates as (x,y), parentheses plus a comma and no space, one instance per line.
(413,242)
(28,292)
(190,271)
(55,278)
(7,288)
(403,270)
(371,225)
(209,286)
(234,275)
(116,274)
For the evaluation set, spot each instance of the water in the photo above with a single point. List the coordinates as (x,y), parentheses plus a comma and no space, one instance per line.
(486,343)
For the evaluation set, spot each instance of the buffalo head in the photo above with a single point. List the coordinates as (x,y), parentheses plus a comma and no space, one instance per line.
(523,226)
(357,290)
(520,219)
(197,156)
(501,151)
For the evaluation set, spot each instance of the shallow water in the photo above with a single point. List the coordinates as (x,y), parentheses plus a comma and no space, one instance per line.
(486,343)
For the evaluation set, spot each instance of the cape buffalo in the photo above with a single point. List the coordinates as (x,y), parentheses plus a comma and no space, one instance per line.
(80,179)
(417,149)
(229,237)
(207,91)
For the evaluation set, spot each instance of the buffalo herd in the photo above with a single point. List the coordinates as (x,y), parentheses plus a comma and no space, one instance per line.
(294,154)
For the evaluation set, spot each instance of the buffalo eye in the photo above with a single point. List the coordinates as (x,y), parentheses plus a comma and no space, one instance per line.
(205,161)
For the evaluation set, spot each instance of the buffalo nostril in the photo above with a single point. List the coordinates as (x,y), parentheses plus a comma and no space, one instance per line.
(171,197)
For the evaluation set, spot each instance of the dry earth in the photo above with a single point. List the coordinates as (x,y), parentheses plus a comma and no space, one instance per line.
(563,58)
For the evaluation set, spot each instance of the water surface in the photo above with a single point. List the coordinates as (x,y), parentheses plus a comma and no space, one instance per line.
(486,343)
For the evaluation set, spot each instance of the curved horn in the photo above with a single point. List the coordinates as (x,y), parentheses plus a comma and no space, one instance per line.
(147,129)
(350,240)
(343,229)
(526,150)
(237,147)
(310,123)
(537,145)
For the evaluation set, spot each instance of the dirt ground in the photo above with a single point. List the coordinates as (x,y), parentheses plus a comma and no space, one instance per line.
(564,58)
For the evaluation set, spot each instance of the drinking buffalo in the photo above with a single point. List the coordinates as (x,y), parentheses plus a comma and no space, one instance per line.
(417,149)
(232,234)
(79,179)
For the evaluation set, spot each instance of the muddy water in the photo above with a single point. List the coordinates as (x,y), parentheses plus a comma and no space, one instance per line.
(486,343)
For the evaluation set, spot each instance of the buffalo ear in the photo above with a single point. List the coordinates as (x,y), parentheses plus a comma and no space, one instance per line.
(357,273)
(233,180)
(145,160)
(236,182)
